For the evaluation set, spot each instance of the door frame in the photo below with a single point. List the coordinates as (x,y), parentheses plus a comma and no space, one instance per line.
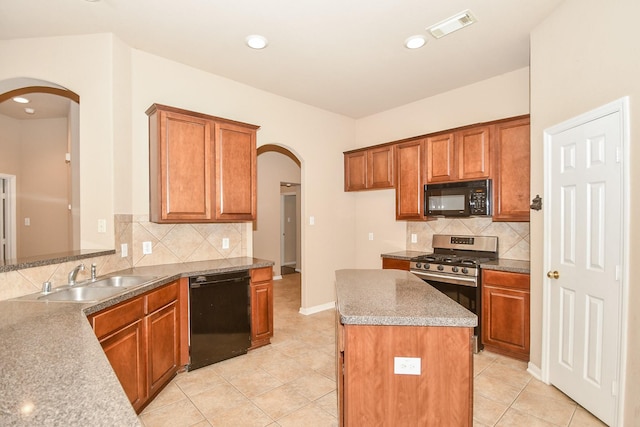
(283,225)
(618,106)
(10,219)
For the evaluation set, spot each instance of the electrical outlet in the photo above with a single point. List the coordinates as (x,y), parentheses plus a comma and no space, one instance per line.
(370,236)
(27,221)
(124,250)
(414,238)
(225,243)
(102,226)
(146,248)
(312,220)
(406,365)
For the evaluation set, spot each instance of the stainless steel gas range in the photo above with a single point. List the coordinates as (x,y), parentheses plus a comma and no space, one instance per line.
(454,269)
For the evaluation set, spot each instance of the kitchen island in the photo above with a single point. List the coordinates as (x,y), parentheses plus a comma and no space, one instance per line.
(54,370)
(404,353)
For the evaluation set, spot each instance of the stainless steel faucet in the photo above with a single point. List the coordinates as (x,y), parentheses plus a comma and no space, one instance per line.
(74,273)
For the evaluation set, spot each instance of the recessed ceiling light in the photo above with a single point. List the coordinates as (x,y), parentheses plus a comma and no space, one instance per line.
(20,100)
(415,42)
(256,41)
(452,24)
(29,110)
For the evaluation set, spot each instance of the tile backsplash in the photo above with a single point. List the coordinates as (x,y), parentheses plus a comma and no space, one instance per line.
(513,237)
(170,243)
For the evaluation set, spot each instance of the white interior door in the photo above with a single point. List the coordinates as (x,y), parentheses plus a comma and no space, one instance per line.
(584,253)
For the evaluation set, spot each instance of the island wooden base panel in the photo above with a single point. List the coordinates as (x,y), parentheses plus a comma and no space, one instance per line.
(442,395)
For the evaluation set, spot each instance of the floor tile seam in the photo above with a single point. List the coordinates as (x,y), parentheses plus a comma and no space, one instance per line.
(535,415)
(315,404)
(501,380)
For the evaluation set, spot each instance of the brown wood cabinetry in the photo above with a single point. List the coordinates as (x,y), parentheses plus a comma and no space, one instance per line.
(201,168)
(261,306)
(369,169)
(506,313)
(141,339)
(441,160)
(410,179)
(511,150)
(370,393)
(460,155)
(473,153)
(397,264)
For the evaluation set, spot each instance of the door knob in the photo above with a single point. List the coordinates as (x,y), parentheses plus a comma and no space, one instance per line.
(553,274)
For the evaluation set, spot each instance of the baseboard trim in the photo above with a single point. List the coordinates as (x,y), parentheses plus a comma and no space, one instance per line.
(535,371)
(318,308)
(279,277)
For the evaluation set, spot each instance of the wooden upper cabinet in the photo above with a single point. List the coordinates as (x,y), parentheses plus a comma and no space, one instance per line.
(441,161)
(201,168)
(473,153)
(235,172)
(355,171)
(369,169)
(511,174)
(180,167)
(410,178)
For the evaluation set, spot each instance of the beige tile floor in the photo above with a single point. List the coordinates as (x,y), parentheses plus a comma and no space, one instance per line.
(292,383)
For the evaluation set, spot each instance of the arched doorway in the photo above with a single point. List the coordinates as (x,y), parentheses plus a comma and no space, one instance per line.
(277,231)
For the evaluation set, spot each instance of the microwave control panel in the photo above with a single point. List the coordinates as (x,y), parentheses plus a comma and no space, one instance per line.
(478,203)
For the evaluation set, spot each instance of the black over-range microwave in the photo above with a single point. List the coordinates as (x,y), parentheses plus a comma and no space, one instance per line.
(458,199)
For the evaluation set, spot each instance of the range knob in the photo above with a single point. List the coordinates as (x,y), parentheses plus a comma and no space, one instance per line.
(465,270)
(454,269)
(418,265)
(427,266)
(440,267)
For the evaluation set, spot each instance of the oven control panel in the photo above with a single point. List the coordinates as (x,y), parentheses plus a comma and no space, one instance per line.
(462,240)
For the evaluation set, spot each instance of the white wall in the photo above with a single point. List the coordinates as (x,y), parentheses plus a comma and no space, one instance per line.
(499,97)
(82,64)
(583,56)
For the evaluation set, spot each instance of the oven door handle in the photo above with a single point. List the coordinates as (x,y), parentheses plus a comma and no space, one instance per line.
(456,280)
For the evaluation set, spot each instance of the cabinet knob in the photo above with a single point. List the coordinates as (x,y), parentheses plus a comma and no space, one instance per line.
(553,274)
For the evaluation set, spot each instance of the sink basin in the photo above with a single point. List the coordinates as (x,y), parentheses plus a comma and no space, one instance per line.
(120,281)
(81,293)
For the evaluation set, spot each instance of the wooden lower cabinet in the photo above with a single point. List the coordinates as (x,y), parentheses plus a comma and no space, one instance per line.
(261,289)
(394,263)
(141,339)
(506,313)
(370,393)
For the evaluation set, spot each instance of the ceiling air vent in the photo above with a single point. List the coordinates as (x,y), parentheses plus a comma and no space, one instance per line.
(452,24)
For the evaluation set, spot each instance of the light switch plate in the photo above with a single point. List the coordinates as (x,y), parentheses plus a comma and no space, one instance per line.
(146,248)
(225,243)
(414,238)
(406,365)
(124,250)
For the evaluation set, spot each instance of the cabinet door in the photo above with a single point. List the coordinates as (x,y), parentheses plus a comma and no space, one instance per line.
(235,172)
(163,337)
(355,171)
(180,167)
(505,313)
(125,350)
(398,264)
(410,178)
(511,171)
(380,169)
(441,158)
(261,313)
(473,148)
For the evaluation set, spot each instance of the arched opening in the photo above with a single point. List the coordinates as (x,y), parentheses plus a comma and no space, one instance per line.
(39,171)
(277,233)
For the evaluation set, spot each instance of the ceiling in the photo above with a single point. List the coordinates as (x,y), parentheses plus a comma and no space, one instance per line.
(344,56)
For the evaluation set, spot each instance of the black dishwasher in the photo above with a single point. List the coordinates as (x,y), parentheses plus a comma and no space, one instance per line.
(219,317)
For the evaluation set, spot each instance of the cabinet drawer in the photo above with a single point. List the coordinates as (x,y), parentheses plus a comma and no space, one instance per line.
(162,296)
(113,319)
(506,279)
(261,274)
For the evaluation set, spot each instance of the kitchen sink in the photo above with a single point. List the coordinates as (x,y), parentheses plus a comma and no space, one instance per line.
(81,294)
(120,281)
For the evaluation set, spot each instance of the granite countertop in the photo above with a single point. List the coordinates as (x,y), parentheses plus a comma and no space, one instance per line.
(405,255)
(394,297)
(54,371)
